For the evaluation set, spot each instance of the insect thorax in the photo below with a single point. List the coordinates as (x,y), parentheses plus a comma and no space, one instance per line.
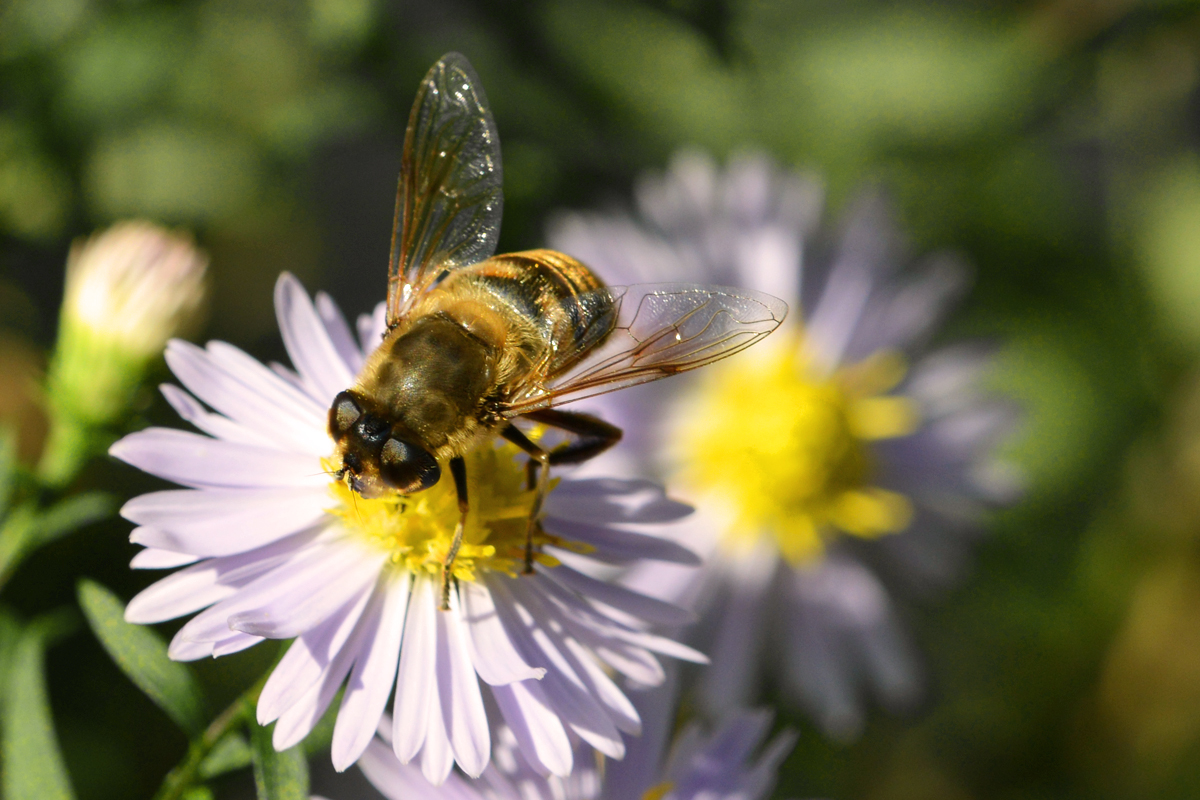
(429,379)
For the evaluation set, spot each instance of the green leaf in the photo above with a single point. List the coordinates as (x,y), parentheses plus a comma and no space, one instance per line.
(73,513)
(278,776)
(197,793)
(142,656)
(8,465)
(33,765)
(10,634)
(26,528)
(230,753)
(15,534)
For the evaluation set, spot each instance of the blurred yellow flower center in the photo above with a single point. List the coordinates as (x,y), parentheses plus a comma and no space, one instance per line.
(417,529)
(658,792)
(786,447)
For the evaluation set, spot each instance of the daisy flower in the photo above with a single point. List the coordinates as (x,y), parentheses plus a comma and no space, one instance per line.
(838,461)
(273,546)
(730,763)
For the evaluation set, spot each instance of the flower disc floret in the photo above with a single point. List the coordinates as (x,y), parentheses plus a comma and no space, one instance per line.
(787,445)
(416,531)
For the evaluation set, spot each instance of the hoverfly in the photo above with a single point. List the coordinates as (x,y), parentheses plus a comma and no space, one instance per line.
(475,341)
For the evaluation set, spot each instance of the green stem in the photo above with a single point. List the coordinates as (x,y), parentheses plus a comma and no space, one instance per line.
(68,447)
(15,534)
(183,776)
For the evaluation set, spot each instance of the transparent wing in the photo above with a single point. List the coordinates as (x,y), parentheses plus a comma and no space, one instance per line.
(449,200)
(656,331)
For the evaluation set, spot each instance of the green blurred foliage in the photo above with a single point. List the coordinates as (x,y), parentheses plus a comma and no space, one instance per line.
(34,192)
(1167,246)
(1056,144)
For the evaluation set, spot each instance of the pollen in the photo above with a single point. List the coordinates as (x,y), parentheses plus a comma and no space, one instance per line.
(785,447)
(418,529)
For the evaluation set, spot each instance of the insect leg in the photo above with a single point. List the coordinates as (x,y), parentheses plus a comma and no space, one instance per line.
(458,468)
(539,472)
(593,435)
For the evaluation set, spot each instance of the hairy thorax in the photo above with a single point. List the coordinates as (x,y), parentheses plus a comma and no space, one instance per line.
(430,380)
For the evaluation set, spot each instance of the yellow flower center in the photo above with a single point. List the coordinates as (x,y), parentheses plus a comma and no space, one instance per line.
(659,791)
(417,530)
(785,446)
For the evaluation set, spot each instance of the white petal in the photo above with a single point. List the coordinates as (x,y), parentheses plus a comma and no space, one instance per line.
(613,500)
(617,545)
(416,682)
(151,558)
(192,411)
(737,738)
(740,632)
(236,385)
(661,644)
(620,710)
(633,662)
(292,575)
(372,327)
(772,256)
(539,730)
(567,692)
(458,688)
(298,721)
(576,611)
(180,650)
(821,677)
(339,332)
(289,394)
(492,652)
(374,675)
(307,659)
(583,664)
(234,643)
(290,610)
(678,584)
(762,778)
(289,376)
(837,313)
(202,585)
(437,756)
(201,461)
(219,522)
(398,781)
(643,764)
(911,308)
(620,598)
(307,341)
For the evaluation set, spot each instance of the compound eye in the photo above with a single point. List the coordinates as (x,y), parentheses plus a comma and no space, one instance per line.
(343,414)
(406,467)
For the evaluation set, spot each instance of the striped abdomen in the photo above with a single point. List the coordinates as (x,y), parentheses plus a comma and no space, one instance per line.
(567,308)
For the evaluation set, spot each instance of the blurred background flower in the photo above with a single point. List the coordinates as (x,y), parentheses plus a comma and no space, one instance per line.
(833,465)
(1054,144)
(722,765)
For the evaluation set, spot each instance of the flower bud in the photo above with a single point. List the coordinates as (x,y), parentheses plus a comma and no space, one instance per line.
(128,290)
